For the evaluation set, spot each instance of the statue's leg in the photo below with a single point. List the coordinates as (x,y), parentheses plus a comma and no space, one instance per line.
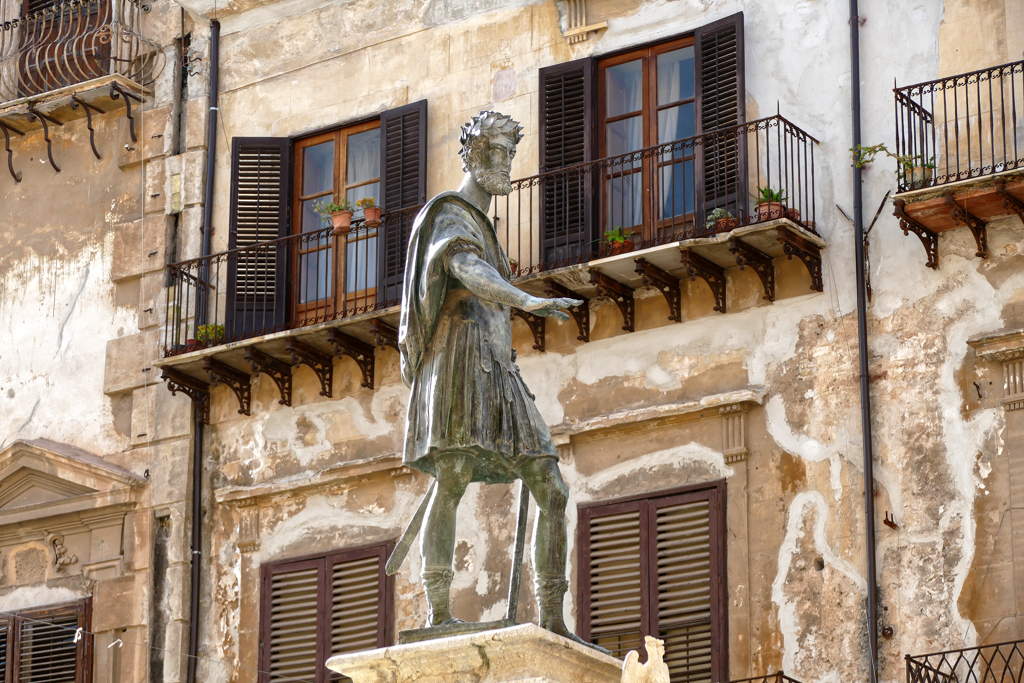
(437,540)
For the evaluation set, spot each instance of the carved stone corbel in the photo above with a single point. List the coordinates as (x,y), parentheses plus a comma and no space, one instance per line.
(734,432)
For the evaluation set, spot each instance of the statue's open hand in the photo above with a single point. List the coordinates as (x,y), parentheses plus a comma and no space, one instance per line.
(551,308)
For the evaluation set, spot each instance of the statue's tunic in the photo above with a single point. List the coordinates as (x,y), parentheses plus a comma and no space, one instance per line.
(457,358)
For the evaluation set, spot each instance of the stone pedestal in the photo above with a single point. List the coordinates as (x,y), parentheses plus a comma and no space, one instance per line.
(525,653)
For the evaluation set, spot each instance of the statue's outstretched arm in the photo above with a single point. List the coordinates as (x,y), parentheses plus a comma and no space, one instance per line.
(480,278)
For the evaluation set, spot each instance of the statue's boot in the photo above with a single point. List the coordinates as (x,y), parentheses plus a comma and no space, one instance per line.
(550,589)
(437,583)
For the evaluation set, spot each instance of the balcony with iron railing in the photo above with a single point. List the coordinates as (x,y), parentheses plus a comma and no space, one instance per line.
(997,663)
(960,154)
(686,209)
(61,61)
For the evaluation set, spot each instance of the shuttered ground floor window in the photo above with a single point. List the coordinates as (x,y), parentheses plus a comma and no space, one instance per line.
(317,607)
(656,566)
(38,646)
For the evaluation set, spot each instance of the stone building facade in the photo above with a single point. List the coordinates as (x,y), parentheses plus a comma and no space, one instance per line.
(706,407)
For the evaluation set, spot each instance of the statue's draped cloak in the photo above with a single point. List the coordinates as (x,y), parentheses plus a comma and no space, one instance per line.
(466,390)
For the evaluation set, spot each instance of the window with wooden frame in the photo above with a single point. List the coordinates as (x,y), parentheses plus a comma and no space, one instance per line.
(316,607)
(618,108)
(656,565)
(38,646)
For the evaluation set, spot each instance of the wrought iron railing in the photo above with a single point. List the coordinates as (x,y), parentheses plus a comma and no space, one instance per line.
(287,283)
(695,187)
(961,127)
(777,677)
(51,45)
(998,663)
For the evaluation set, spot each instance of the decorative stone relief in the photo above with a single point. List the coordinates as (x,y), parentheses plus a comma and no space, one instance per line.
(578,30)
(248,526)
(734,432)
(1008,348)
(61,557)
(654,670)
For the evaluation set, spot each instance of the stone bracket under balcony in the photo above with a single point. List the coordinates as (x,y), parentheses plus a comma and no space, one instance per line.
(972,204)
(752,248)
(51,110)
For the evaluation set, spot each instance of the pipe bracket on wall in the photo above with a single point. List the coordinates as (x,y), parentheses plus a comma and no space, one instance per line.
(809,254)
(978,227)
(10,154)
(195,389)
(277,370)
(581,313)
(537,325)
(666,283)
(714,275)
(75,103)
(760,262)
(35,115)
(929,239)
(608,288)
(239,382)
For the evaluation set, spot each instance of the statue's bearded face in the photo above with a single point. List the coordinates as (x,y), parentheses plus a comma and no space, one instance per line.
(491,163)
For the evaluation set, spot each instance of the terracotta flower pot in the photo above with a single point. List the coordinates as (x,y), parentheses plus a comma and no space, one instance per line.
(726,224)
(793,215)
(768,211)
(921,176)
(342,220)
(371,215)
(621,247)
(191,345)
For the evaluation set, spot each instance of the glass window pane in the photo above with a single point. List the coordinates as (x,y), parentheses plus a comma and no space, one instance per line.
(675,75)
(675,185)
(624,88)
(676,123)
(311,220)
(361,264)
(625,136)
(357,193)
(318,168)
(363,157)
(624,201)
(314,276)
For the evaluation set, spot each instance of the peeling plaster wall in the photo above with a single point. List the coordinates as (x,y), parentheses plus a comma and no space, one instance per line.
(796,553)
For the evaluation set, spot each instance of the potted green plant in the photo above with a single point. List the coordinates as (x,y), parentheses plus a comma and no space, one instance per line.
(770,204)
(191,344)
(513,265)
(339,212)
(371,212)
(618,241)
(210,335)
(720,220)
(915,168)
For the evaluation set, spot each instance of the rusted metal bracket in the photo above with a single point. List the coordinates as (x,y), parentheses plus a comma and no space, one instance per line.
(666,283)
(714,275)
(607,288)
(10,154)
(581,313)
(537,324)
(117,91)
(197,390)
(35,115)
(75,102)
(384,334)
(360,352)
(797,245)
(760,262)
(978,227)
(1010,203)
(318,361)
(236,380)
(929,239)
(275,369)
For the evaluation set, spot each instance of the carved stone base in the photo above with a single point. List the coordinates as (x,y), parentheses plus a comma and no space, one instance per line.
(520,653)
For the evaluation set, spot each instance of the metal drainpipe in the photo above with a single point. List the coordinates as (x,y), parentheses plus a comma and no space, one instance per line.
(862,344)
(197,442)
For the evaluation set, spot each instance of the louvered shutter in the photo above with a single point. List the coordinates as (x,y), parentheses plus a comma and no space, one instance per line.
(291,622)
(653,567)
(403,135)
(5,648)
(721,104)
(45,650)
(566,139)
(257,279)
(359,603)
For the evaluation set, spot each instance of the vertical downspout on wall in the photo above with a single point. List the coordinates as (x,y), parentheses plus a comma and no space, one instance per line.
(862,345)
(197,443)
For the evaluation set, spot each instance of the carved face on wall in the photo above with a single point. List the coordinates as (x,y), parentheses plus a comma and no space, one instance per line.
(490,162)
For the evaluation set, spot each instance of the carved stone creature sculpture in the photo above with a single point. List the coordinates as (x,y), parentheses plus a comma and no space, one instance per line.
(471,417)
(654,670)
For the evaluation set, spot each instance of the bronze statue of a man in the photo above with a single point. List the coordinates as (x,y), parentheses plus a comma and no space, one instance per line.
(471,417)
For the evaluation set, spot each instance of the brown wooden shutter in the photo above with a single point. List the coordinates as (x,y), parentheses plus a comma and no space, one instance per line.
(5,648)
(567,112)
(44,648)
(359,603)
(721,104)
(257,281)
(291,620)
(403,149)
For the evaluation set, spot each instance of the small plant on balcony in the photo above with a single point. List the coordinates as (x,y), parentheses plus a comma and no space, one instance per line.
(913,170)
(371,212)
(339,212)
(618,241)
(771,204)
(720,220)
(210,335)
(513,265)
